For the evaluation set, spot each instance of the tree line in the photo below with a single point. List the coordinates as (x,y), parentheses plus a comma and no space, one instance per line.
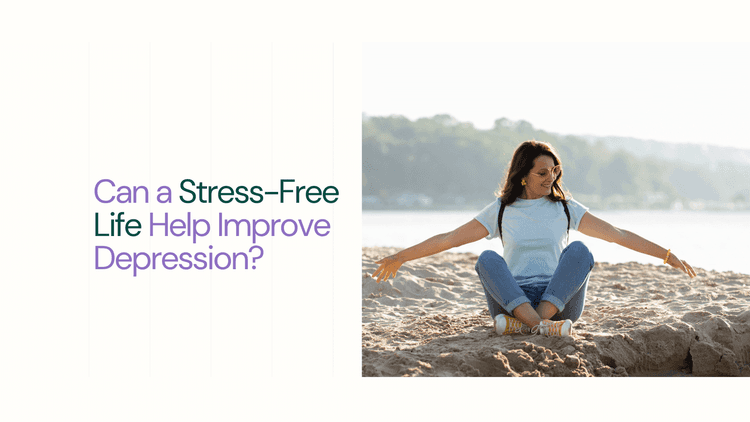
(457,165)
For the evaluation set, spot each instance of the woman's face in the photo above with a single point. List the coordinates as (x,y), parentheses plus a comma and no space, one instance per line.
(540,178)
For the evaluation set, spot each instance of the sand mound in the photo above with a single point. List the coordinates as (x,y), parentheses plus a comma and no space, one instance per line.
(640,320)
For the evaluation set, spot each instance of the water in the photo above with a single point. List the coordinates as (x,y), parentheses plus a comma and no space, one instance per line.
(710,240)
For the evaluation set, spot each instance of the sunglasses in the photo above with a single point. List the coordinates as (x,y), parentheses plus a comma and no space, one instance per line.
(545,172)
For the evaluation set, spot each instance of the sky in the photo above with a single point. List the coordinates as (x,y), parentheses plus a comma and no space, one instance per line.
(672,92)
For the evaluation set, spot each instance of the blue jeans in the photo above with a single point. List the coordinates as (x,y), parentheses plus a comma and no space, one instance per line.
(566,290)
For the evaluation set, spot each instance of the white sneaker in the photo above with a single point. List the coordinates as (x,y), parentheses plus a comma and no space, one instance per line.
(554,328)
(506,324)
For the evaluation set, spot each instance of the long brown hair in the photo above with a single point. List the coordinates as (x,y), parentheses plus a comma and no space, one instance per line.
(520,166)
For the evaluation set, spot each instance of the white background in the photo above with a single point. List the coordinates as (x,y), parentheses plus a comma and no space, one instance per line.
(150,93)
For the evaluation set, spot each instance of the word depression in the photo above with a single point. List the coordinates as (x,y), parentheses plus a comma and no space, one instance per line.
(201,193)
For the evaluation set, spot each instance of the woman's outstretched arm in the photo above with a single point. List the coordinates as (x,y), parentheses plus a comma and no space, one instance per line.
(469,232)
(596,227)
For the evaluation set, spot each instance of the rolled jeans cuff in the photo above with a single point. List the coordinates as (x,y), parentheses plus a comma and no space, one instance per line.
(515,303)
(553,300)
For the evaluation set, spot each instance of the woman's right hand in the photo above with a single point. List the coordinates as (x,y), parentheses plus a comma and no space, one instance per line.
(469,232)
(388,268)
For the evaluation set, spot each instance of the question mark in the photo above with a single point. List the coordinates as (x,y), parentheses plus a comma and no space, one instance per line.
(259,256)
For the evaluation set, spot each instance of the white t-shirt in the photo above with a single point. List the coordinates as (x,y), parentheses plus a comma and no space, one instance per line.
(533,234)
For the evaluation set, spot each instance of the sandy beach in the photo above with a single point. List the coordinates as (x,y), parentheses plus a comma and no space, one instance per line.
(639,320)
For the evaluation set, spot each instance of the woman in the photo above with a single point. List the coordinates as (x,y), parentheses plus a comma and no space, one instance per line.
(537,286)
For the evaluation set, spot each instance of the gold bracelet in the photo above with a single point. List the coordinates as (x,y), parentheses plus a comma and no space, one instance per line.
(665,259)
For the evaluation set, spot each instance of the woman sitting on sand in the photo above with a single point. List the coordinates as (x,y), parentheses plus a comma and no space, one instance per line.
(537,286)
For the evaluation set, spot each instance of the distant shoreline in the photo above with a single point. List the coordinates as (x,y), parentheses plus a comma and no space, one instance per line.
(712,240)
(478,206)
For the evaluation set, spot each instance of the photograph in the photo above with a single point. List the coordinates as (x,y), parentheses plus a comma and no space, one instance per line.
(555,210)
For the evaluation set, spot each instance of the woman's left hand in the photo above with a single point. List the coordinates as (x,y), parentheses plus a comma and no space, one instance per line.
(681,265)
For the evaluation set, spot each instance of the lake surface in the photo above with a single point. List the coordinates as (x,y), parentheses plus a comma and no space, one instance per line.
(710,240)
